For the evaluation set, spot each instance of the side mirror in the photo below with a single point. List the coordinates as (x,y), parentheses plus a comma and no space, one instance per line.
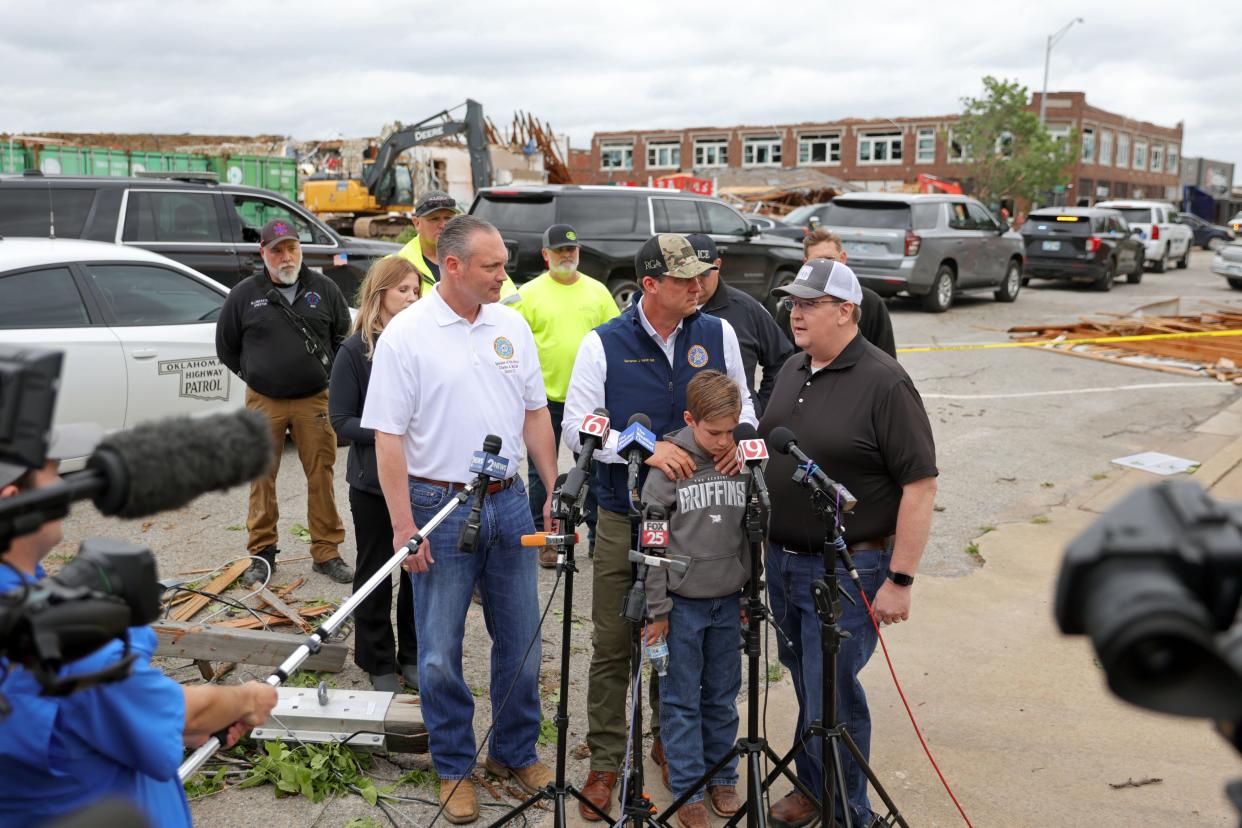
(752,230)
(1003,229)
(814,222)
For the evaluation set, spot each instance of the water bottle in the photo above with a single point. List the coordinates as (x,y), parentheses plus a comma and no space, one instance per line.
(657,654)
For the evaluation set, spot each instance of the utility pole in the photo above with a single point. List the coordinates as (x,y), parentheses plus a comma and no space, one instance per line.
(1052,41)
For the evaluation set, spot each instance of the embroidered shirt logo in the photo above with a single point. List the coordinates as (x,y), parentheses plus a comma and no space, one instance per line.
(313,299)
(697,356)
(503,347)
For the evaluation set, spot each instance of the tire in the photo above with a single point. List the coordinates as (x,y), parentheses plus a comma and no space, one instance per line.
(1215,243)
(1011,284)
(1135,276)
(623,291)
(1184,261)
(1162,265)
(940,298)
(1236,284)
(1105,282)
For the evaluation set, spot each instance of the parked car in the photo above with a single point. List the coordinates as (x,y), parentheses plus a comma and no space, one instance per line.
(1156,223)
(613,222)
(1082,244)
(927,246)
(806,217)
(209,226)
(1207,235)
(1228,263)
(774,226)
(138,330)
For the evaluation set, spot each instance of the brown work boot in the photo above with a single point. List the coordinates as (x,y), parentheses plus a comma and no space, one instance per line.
(531,778)
(792,811)
(723,799)
(657,756)
(598,791)
(547,557)
(458,798)
(693,815)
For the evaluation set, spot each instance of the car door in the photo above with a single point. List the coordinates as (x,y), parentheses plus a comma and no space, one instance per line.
(319,250)
(992,254)
(1125,248)
(47,307)
(188,226)
(961,243)
(743,256)
(165,320)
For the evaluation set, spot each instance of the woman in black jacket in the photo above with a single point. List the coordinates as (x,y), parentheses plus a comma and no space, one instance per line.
(391,285)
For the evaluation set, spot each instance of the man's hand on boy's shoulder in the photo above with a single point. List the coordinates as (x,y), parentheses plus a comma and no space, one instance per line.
(673,460)
(726,460)
(655,630)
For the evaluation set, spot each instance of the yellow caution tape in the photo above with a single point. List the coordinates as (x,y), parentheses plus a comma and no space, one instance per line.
(1092,341)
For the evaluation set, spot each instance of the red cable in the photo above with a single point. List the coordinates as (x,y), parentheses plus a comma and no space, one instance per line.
(910,712)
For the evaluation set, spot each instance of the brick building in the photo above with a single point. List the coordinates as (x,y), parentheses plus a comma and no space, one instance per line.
(1120,156)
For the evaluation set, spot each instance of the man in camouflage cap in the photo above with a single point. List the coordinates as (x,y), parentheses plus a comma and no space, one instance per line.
(639,362)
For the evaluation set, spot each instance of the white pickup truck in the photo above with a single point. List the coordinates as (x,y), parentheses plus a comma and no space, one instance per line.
(1157,225)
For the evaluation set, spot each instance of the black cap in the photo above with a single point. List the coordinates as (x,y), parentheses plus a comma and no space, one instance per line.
(277,230)
(703,246)
(560,235)
(669,254)
(435,200)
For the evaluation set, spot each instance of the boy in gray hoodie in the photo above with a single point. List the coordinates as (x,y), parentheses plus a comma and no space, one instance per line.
(699,611)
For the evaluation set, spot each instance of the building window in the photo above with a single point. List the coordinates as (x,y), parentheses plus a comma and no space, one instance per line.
(879,148)
(664,155)
(711,152)
(819,149)
(616,156)
(1059,132)
(1157,158)
(957,152)
(1172,158)
(1106,146)
(925,147)
(1140,155)
(1123,150)
(762,152)
(1088,146)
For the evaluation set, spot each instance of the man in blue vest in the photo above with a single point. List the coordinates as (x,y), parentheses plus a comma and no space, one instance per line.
(639,362)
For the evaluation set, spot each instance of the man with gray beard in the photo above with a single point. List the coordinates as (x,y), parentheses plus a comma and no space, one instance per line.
(279,331)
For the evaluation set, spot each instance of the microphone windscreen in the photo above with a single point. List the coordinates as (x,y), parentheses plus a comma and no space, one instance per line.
(642,419)
(602,412)
(491,444)
(782,438)
(166,464)
(744,431)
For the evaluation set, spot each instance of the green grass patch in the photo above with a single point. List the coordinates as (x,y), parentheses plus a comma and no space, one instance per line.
(1040,520)
(300,532)
(775,672)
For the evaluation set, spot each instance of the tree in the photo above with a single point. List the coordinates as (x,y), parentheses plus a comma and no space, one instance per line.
(1005,151)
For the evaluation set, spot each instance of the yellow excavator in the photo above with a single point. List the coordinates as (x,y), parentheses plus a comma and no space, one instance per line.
(382,201)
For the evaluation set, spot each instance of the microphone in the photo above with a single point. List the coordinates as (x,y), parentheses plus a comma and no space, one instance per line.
(151,468)
(636,444)
(593,433)
(485,465)
(787,443)
(753,452)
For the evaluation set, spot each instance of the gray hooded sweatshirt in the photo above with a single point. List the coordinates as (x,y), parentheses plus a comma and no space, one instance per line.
(707,515)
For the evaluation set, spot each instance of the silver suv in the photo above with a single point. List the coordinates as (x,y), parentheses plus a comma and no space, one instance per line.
(929,246)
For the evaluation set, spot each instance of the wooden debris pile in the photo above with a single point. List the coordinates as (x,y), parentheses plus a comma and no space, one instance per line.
(1219,357)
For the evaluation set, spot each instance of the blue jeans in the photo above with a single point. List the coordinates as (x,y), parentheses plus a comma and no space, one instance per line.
(789,594)
(507,578)
(539,494)
(698,697)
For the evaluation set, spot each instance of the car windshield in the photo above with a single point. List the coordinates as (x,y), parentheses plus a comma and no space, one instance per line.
(1135,215)
(1053,223)
(885,214)
(801,215)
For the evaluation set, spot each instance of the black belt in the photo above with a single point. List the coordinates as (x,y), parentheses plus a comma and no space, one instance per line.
(877,545)
(492,488)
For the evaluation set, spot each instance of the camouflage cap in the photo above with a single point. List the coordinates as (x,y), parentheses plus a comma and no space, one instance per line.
(669,254)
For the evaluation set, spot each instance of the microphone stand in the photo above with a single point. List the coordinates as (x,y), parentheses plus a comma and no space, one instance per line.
(567,512)
(336,620)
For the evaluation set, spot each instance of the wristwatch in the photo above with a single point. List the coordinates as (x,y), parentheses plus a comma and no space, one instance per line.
(900,578)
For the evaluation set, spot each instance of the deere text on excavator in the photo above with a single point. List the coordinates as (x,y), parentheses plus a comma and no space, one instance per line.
(382,201)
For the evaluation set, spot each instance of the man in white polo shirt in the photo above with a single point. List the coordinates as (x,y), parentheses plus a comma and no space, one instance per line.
(448,371)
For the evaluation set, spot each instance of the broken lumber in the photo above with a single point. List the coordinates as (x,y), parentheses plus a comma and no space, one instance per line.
(217,585)
(250,622)
(270,598)
(217,642)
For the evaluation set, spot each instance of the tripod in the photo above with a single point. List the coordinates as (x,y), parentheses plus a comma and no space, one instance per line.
(826,594)
(753,747)
(566,515)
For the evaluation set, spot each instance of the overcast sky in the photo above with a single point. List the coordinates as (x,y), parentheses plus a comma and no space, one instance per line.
(316,69)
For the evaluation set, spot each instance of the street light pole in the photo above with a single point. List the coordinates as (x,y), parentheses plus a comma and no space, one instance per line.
(1052,41)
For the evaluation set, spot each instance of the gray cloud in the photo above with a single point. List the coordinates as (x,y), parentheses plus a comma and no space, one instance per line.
(323,67)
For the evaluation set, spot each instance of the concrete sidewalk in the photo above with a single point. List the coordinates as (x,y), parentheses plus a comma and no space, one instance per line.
(1018,716)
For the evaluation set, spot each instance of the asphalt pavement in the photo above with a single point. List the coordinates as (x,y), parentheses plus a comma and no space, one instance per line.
(1021,434)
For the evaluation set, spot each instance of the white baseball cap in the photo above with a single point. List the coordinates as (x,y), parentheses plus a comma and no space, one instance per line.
(823,277)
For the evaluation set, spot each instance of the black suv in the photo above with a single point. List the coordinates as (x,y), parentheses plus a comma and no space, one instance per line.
(211,227)
(1086,244)
(613,222)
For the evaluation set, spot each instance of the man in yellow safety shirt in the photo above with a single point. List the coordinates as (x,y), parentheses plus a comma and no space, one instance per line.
(561,305)
(431,213)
